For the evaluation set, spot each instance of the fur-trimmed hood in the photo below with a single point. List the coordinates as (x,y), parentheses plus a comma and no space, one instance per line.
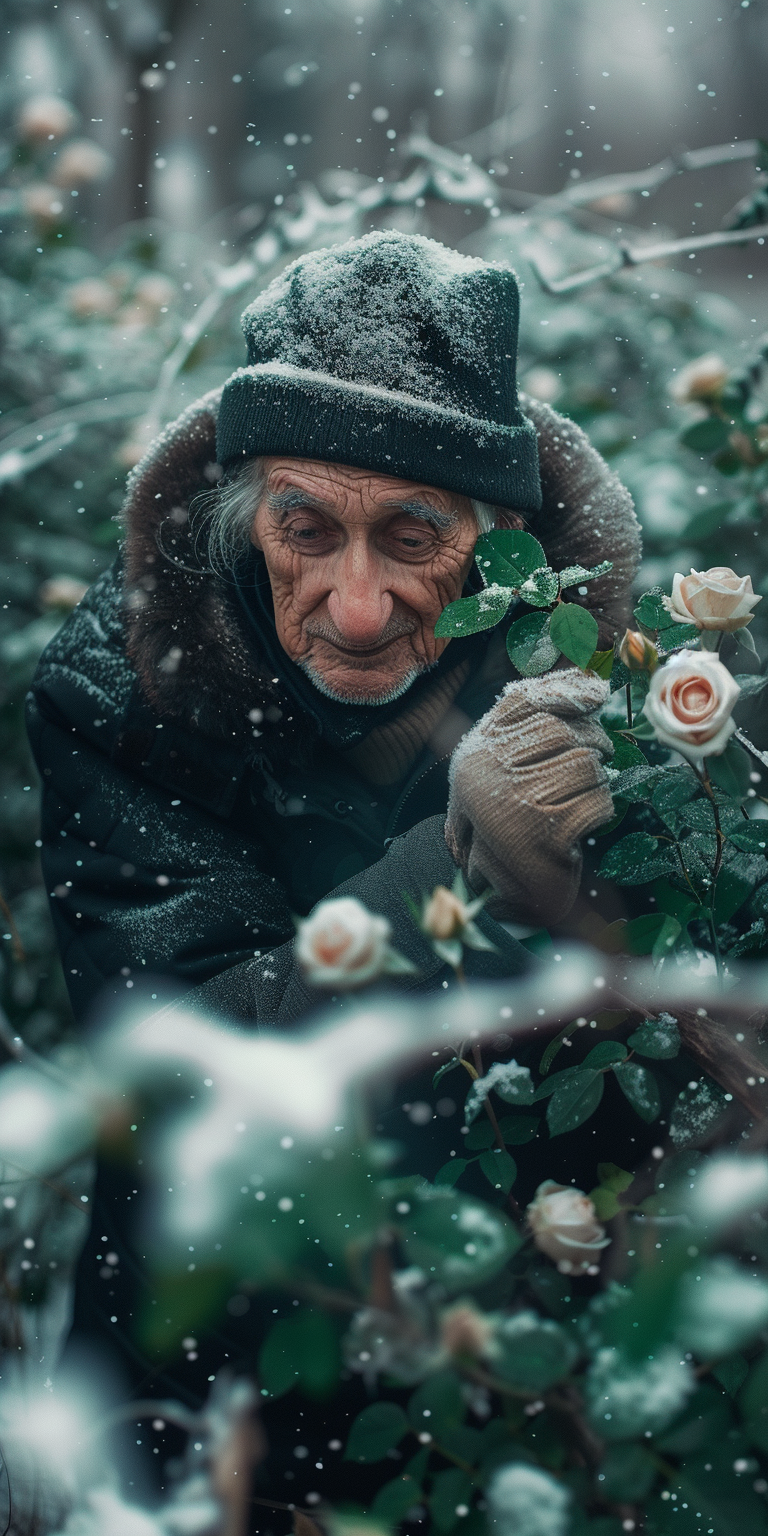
(188,637)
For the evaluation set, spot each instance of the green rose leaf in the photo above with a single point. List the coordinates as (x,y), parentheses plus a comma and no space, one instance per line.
(650,610)
(499,1168)
(751,836)
(378,1429)
(639,1086)
(451,1171)
(658,1038)
(518,1129)
(450,1490)
(627,1473)
(706,436)
(731,1373)
(576,575)
(540,589)
(574,631)
(636,859)
(751,683)
(447,1066)
(519,551)
(393,1501)
(573,1102)
(625,753)
(454,1253)
(677,636)
(534,1352)
(470,615)
(529,645)
(655,933)
(438,1404)
(605,1054)
(300,1351)
(601,662)
(730,771)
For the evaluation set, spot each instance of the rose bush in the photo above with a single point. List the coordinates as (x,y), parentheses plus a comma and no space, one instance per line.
(713,599)
(342,945)
(689,704)
(565,1227)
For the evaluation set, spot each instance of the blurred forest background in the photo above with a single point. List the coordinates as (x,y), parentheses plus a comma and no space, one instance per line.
(160,160)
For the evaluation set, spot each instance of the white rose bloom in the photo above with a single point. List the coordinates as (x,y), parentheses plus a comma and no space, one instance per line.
(699,380)
(343,945)
(524,1501)
(689,704)
(565,1227)
(713,599)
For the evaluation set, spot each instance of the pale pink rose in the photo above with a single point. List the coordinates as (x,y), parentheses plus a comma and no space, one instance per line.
(91,297)
(703,379)
(46,117)
(465,1331)
(565,1227)
(689,704)
(80,162)
(43,202)
(713,599)
(343,945)
(62,592)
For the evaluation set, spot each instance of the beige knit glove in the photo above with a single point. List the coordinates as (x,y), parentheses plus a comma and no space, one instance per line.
(525,784)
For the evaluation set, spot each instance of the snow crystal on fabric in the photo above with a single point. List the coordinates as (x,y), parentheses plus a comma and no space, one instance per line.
(401,315)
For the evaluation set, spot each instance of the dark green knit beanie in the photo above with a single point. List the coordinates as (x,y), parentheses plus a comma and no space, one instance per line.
(390,353)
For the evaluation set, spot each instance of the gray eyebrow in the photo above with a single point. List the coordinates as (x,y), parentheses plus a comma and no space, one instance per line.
(288,500)
(429,513)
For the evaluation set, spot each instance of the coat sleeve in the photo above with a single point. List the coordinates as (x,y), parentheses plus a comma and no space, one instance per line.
(144,883)
(143,886)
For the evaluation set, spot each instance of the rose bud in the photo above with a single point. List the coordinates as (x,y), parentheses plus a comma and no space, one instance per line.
(46,117)
(62,593)
(465,1331)
(43,202)
(81,162)
(713,599)
(689,704)
(565,1227)
(343,945)
(444,916)
(703,379)
(91,298)
(638,653)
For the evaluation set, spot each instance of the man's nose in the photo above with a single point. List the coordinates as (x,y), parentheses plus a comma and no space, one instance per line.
(358,602)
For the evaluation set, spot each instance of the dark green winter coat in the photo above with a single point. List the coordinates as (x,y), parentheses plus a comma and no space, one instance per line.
(197,789)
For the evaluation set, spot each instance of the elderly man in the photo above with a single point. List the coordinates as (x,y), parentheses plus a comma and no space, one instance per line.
(251,712)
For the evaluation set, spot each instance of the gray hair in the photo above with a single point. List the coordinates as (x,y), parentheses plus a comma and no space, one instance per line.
(226,515)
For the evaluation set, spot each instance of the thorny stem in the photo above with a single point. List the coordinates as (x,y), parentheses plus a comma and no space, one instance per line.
(629,706)
(498,1138)
(706,783)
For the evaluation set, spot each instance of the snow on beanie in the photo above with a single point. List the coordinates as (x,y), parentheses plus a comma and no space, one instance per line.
(389,353)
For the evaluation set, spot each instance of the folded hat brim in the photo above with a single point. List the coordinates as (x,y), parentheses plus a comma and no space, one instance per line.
(277,408)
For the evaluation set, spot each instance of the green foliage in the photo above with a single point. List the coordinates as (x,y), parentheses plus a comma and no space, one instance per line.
(375,1431)
(529,645)
(658,1038)
(574,631)
(300,1351)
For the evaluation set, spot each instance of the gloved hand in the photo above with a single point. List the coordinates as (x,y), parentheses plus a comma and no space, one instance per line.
(525,785)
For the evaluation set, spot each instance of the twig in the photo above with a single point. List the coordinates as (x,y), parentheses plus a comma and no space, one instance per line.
(17,948)
(633,256)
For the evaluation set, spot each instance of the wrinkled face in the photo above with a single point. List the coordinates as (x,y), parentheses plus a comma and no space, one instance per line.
(361,567)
